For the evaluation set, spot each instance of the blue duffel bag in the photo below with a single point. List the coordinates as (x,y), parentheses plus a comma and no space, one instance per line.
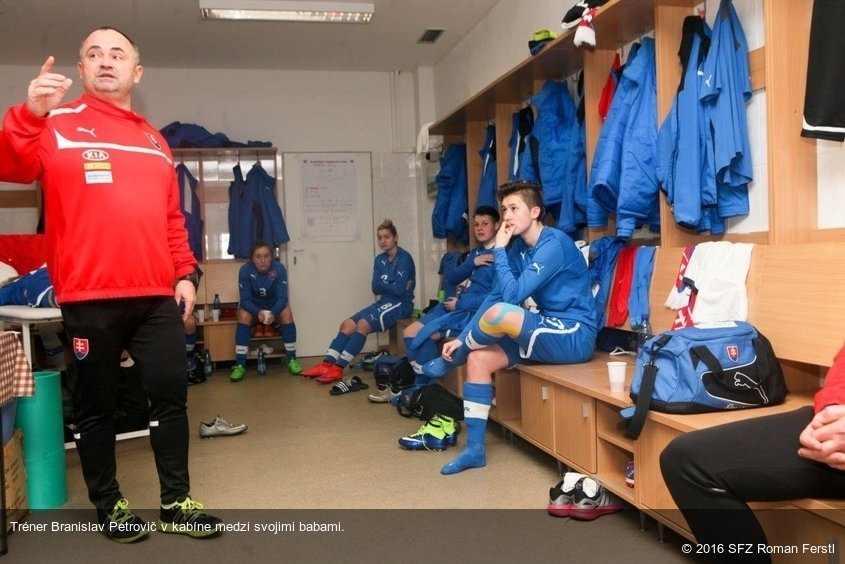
(698,369)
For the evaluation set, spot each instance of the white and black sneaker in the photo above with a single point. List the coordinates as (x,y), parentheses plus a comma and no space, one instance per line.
(590,501)
(573,16)
(368,361)
(561,494)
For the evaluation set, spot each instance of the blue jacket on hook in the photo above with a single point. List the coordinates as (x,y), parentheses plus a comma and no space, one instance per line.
(623,178)
(253,212)
(685,162)
(191,209)
(241,216)
(725,89)
(450,208)
(489,175)
(273,229)
(521,124)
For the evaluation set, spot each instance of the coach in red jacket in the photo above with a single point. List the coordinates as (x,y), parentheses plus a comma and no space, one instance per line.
(118,254)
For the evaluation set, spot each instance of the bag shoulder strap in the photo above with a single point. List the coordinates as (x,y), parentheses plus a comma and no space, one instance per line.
(635,425)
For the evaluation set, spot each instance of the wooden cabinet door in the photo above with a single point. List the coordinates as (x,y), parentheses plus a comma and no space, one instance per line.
(220,339)
(575,428)
(537,402)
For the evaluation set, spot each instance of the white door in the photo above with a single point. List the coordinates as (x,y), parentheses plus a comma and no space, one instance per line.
(329,214)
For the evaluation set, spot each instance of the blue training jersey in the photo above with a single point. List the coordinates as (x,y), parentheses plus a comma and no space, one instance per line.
(480,280)
(395,278)
(553,273)
(267,290)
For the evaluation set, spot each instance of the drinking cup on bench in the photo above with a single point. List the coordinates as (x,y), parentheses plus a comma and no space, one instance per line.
(616,375)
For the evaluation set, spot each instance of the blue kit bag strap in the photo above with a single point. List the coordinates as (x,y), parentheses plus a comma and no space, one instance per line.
(637,420)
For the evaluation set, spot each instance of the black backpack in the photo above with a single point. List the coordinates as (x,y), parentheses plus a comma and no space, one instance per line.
(427,401)
(394,371)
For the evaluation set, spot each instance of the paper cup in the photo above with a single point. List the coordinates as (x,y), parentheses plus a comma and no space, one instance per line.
(215,315)
(200,315)
(616,375)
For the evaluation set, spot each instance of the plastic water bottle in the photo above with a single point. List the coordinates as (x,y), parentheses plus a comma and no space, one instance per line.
(215,308)
(207,364)
(643,334)
(262,363)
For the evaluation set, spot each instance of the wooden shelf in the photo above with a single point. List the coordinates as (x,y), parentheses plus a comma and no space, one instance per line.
(617,23)
(616,440)
(615,482)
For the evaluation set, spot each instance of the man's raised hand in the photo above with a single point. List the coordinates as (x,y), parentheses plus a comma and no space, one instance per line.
(46,90)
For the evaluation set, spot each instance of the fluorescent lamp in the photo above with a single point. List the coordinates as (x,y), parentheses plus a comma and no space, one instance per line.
(283,10)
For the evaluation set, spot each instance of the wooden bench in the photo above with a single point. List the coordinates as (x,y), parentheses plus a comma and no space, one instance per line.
(396,344)
(569,411)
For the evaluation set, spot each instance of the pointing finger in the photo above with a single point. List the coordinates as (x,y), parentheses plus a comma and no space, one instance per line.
(47,67)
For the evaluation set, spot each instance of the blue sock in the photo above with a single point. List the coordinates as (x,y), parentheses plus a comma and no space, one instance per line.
(288,331)
(353,347)
(439,367)
(475,339)
(477,400)
(336,347)
(410,351)
(242,334)
(425,353)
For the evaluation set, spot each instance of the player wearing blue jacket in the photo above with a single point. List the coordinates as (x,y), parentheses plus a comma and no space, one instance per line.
(394,280)
(35,290)
(474,278)
(544,264)
(263,285)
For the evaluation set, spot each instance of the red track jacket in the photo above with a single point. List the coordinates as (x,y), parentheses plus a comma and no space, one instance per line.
(113,224)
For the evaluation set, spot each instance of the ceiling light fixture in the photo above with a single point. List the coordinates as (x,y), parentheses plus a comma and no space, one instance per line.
(290,11)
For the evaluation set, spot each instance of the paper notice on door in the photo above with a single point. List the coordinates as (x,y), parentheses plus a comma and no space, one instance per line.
(329,198)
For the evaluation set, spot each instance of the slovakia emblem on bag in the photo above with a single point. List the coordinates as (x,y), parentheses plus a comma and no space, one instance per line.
(733,352)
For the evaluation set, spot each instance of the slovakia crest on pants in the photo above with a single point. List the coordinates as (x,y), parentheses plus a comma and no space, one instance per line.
(80,348)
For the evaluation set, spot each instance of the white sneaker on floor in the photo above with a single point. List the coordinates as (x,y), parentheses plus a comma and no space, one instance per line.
(220,427)
(383,396)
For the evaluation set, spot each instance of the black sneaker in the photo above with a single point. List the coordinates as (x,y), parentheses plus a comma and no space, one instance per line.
(573,16)
(188,517)
(195,376)
(121,524)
